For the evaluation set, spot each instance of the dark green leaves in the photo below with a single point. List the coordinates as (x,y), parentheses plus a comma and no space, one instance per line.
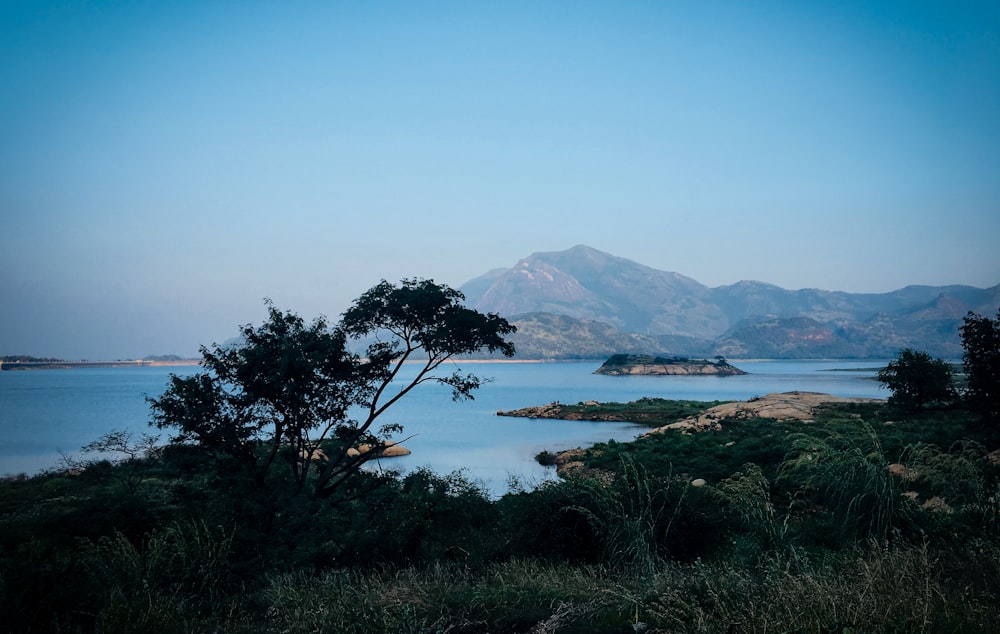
(428,315)
(286,388)
(981,360)
(917,380)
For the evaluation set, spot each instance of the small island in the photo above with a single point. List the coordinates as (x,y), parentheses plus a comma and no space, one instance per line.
(633,364)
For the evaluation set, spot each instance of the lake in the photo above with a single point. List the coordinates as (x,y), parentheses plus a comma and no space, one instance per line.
(46,414)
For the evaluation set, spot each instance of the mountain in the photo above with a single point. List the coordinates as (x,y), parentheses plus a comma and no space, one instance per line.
(582,302)
(553,336)
(588,284)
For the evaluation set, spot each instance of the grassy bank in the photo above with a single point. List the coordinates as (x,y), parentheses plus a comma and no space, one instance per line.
(865,519)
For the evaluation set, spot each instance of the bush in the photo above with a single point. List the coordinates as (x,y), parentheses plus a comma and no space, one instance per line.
(916,380)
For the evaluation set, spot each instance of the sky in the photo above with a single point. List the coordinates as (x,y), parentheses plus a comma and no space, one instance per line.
(165,166)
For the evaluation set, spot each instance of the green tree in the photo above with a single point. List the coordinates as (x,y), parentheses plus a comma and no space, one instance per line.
(916,380)
(981,361)
(287,388)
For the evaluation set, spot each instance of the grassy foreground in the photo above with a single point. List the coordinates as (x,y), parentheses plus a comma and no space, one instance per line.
(866,520)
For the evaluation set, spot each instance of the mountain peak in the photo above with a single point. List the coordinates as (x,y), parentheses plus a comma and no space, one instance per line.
(587,284)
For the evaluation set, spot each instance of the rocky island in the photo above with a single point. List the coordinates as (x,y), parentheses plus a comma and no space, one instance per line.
(632,364)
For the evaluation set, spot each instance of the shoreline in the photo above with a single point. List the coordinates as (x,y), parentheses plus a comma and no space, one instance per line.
(15,366)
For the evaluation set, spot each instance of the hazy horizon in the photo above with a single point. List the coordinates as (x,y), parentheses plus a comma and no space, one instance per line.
(166,166)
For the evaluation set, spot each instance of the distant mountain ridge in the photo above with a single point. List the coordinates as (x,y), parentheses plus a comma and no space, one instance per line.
(583,303)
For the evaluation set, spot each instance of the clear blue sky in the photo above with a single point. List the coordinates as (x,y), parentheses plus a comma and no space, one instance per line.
(164,166)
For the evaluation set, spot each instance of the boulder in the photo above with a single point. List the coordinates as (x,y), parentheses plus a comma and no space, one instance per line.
(316,455)
(391,450)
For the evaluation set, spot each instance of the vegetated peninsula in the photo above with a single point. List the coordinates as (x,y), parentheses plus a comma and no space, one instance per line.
(648,411)
(632,364)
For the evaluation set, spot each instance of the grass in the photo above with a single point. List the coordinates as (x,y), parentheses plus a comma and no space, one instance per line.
(870,589)
(802,527)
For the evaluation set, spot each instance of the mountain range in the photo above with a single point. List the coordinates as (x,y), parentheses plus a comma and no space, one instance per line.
(584,303)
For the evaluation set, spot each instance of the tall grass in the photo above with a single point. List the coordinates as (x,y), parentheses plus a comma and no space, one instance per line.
(177,574)
(851,479)
(873,589)
(515,596)
(748,493)
(632,514)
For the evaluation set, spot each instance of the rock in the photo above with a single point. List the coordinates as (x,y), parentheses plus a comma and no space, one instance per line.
(698,482)
(552,410)
(799,406)
(391,450)
(901,471)
(394,451)
(631,365)
(570,466)
(994,457)
(937,504)
(316,455)
(564,458)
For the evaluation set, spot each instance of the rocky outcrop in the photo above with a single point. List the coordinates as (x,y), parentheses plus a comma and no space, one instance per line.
(635,365)
(562,412)
(570,464)
(784,406)
(673,369)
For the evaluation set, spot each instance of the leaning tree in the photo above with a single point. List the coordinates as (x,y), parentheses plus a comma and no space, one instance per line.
(287,390)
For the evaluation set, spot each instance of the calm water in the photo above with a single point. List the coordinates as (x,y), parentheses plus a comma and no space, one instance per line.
(45,414)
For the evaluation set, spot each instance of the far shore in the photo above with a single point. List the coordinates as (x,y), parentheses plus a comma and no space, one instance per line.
(11,366)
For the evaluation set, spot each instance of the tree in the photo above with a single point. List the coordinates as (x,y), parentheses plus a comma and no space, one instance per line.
(981,362)
(416,321)
(287,388)
(915,380)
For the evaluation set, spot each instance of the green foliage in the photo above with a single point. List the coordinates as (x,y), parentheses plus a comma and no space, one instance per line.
(654,412)
(872,588)
(631,517)
(711,455)
(853,522)
(748,493)
(916,380)
(639,359)
(853,481)
(513,596)
(285,390)
(425,518)
(23,358)
(285,385)
(179,572)
(134,458)
(981,360)
(550,523)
